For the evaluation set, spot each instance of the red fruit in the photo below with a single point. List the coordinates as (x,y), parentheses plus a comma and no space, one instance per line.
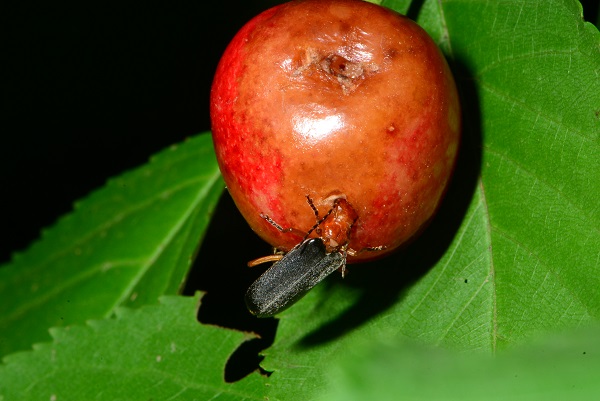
(335,99)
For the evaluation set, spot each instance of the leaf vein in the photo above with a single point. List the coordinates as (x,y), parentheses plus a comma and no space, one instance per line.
(203,190)
(546,267)
(492,272)
(540,180)
(443,269)
(115,220)
(526,107)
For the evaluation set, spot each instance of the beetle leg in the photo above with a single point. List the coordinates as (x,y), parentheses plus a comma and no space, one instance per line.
(373,248)
(352,252)
(278,227)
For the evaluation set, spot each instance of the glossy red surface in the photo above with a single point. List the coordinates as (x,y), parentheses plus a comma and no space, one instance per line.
(335,98)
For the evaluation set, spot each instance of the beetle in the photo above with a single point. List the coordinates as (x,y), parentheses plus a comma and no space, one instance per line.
(307,264)
(290,278)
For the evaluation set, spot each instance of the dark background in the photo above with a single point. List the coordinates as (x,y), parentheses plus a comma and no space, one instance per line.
(91,89)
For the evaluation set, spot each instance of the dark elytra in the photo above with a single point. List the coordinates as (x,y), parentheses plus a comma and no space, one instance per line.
(289,279)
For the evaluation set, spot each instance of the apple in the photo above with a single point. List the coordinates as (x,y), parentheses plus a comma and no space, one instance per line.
(335,99)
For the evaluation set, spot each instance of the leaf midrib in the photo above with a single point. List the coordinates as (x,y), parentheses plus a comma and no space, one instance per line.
(203,191)
(25,307)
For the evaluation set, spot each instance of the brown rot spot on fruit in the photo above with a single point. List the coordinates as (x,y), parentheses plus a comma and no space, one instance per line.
(390,53)
(347,73)
(342,68)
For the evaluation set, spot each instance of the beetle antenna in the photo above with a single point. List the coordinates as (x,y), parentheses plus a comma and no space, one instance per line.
(283,230)
(312,206)
(273,223)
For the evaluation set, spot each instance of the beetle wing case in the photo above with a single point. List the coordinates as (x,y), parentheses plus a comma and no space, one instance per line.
(292,277)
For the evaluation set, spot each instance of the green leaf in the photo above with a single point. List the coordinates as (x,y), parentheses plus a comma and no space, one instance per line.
(400,6)
(560,368)
(156,352)
(539,93)
(125,244)
(513,251)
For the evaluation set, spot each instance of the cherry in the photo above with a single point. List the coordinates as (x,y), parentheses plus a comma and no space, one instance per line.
(335,99)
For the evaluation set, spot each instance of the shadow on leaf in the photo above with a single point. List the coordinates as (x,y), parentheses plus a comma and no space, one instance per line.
(220,270)
(383,283)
